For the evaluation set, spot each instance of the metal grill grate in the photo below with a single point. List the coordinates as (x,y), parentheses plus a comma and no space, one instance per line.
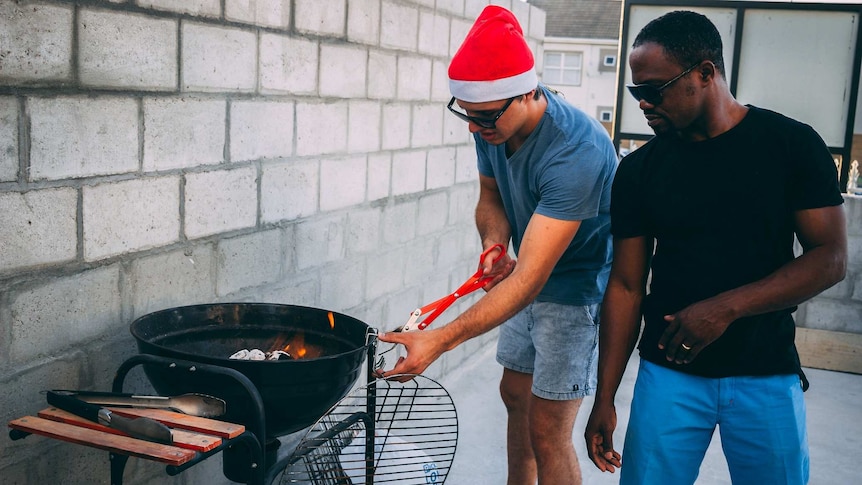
(415,433)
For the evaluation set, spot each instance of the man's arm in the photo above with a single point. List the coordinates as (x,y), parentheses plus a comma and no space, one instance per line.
(491,220)
(543,244)
(822,232)
(618,333)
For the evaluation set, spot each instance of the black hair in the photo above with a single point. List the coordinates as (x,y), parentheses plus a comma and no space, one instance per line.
(687,38)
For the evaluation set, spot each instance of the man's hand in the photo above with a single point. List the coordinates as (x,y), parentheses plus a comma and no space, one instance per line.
(497,271)
(694,327)
(599,435)
(423,348)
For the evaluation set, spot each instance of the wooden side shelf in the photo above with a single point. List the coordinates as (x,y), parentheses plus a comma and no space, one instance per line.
(192,435)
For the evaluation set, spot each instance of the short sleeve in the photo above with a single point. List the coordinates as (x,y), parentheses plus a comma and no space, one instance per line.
(813,175)
(627,204)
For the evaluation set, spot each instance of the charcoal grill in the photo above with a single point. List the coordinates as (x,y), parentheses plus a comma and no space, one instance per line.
(186,349)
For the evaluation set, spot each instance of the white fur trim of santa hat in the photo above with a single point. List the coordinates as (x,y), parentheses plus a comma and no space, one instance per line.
(494,62)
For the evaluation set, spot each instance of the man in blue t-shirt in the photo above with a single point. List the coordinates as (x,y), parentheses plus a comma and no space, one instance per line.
(545,173)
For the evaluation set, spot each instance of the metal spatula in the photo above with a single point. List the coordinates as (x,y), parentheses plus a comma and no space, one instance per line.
(193,404)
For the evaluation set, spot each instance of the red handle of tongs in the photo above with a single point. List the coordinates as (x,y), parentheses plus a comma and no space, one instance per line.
(478,280)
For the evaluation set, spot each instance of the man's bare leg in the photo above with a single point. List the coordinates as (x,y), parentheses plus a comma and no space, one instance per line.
(551,424)
(515,389)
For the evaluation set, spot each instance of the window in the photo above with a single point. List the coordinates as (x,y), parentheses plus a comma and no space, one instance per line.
(605,115)
(608,60)
(562,68)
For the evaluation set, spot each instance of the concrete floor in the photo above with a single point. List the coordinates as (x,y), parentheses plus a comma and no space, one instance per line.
(834,404)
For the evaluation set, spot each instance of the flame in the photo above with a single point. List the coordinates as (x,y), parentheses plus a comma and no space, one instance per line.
(331,320)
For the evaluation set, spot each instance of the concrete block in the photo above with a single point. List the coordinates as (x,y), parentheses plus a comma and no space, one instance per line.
(522,13)
(363,21)
(408,172)
(853,213)
(536,28)
(383,68)
(183,132)
(452,6)
(399,304)
(123,50)
(216,58)
(203,8)
(321,128)
(843,289)
(266,13)
(21,397)
(455,130)
(341,285)
(379,175)
(399,223)
(363,231)
(854,252)
(472,8)
(296,291)
(39,227)
(458,32)
(176,278)
(450,249)
(466,168)
(433,209)
(440,82)
(37,43)
(288,64)
(399,25)
(440,168)
(8,139)
(855,280)
(433,34)
(319,241)
(414,78)
(249,261)
(385,275)
(343,71)
(288,190)
(396,126)
(831,314)
(363,126)
(425,3)
(62,312)
(220,201)
(462,204)
(103,358)
(342,182)
(427,125)
(320,18)
(72,137)
(261,129)
(132,215)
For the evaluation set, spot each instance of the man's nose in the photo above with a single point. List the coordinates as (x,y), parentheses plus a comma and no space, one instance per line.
(473,127)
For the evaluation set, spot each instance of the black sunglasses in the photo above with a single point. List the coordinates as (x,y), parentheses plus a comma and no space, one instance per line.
(490,122)
(652,94)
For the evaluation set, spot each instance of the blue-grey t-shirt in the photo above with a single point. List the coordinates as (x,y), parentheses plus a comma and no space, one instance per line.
(564,170)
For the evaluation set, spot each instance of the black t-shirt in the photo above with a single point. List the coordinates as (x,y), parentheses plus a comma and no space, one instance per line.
(721,212)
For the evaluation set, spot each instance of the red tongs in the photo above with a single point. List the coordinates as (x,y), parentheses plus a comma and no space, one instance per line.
(475,282)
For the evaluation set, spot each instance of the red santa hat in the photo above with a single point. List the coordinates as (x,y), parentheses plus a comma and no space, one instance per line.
(494,62)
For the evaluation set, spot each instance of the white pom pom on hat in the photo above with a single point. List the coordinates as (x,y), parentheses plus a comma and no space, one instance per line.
(494,62)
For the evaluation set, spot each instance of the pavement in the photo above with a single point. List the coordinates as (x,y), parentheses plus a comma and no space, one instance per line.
(832,401)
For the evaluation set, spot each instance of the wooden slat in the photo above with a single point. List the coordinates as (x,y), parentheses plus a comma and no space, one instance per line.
(169,455)
(824,349)
(182,439)
(173,419)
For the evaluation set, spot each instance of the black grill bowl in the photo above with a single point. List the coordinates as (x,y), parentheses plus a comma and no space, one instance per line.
(295,393)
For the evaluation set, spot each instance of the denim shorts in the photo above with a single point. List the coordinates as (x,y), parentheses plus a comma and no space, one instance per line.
(557,344)
(673,417)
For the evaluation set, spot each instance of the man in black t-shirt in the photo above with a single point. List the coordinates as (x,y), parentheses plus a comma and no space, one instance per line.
(711,206)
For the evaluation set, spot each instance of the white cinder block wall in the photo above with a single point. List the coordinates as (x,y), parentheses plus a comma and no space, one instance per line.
(156,153)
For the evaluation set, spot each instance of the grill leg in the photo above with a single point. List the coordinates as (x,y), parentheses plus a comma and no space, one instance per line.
(118,466)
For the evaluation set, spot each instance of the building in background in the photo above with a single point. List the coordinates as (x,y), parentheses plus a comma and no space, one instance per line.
(581,53)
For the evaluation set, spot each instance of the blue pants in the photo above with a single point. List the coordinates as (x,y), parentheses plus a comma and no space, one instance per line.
(673,415)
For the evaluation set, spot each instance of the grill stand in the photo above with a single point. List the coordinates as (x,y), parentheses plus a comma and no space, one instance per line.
(253,439)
